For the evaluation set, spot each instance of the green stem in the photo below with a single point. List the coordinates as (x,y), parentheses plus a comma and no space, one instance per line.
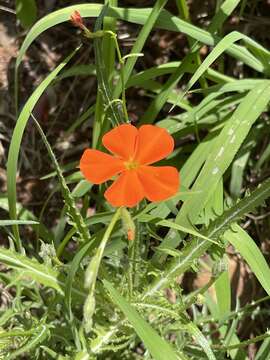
(131,247)
(243,343)
(107,235)
(64,242)
(122,74)
(92,272)
(17,333)
(134,261)
(184,14)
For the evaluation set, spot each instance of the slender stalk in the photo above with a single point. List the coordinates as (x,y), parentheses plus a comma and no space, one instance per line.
(92,272)
(131,246)
(108,51)
(243,343)
(122,72)
(184,14)
(122,75)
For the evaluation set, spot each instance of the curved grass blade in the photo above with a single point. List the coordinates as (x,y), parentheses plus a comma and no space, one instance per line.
(102,76)
(196,248)
(36,271)
(142,77)
(251,254)
(14,149)
(17,222)
(41,273)
(42,332)
(159,348)
(138,16)
(170,224)
(200,339)
(222,154)
(193,57)
(141,39)
(75,216)
(220,48)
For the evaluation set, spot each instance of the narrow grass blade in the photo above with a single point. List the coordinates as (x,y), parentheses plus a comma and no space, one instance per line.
(72,211)
(14,149)
(193,57)
(223,291)
(264,350)
(103,76)
(105,62)
(36,271)
(195,248)
(17,222)
(172,225)
(251,254)
(222,153)
(138,16)
(141,39)
(200,339)
(41,334)
(158,348)
(220,48)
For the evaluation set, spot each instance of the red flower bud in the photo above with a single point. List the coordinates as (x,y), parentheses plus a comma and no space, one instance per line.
(130,235)
(76,19)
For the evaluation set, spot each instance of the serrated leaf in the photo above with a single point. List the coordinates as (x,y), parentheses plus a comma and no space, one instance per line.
(196,248)
(158,347)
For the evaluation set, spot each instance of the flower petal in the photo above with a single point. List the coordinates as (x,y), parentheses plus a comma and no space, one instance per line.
(127,190)
(159,183)
(153,144)
(121,140)
(98,167)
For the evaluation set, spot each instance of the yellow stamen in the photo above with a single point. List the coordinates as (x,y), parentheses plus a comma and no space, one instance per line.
(131,165)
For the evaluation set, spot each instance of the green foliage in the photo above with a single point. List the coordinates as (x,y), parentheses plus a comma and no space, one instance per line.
(81,290)
(26,11)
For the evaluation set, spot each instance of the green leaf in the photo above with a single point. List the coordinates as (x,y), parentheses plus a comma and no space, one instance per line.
(193,57)
(223,291)
(264,350)
(14,149)
(173,225)
(148,25)
(221,47)
(158,347)
(29,267)
(138,16)
(222,154)
(102,75)
(195,248)
(26,11)
(72,211)
(42,332)
(17,222)
(201,340)
(71,275)
(251,253)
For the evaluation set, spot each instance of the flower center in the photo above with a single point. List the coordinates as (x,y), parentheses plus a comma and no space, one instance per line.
(131,165)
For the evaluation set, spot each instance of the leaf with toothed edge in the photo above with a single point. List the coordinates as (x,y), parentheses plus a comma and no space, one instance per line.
(196,247)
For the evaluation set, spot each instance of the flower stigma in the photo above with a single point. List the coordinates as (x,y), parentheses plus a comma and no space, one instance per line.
(131,164)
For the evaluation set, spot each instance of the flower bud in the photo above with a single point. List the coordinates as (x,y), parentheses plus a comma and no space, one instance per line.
(131,234)
(76,19)
(128,224)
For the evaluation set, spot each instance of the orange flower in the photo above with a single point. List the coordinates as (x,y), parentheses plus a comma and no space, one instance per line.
(133,151)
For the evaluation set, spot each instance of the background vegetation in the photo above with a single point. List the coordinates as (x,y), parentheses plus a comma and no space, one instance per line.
(195,282)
